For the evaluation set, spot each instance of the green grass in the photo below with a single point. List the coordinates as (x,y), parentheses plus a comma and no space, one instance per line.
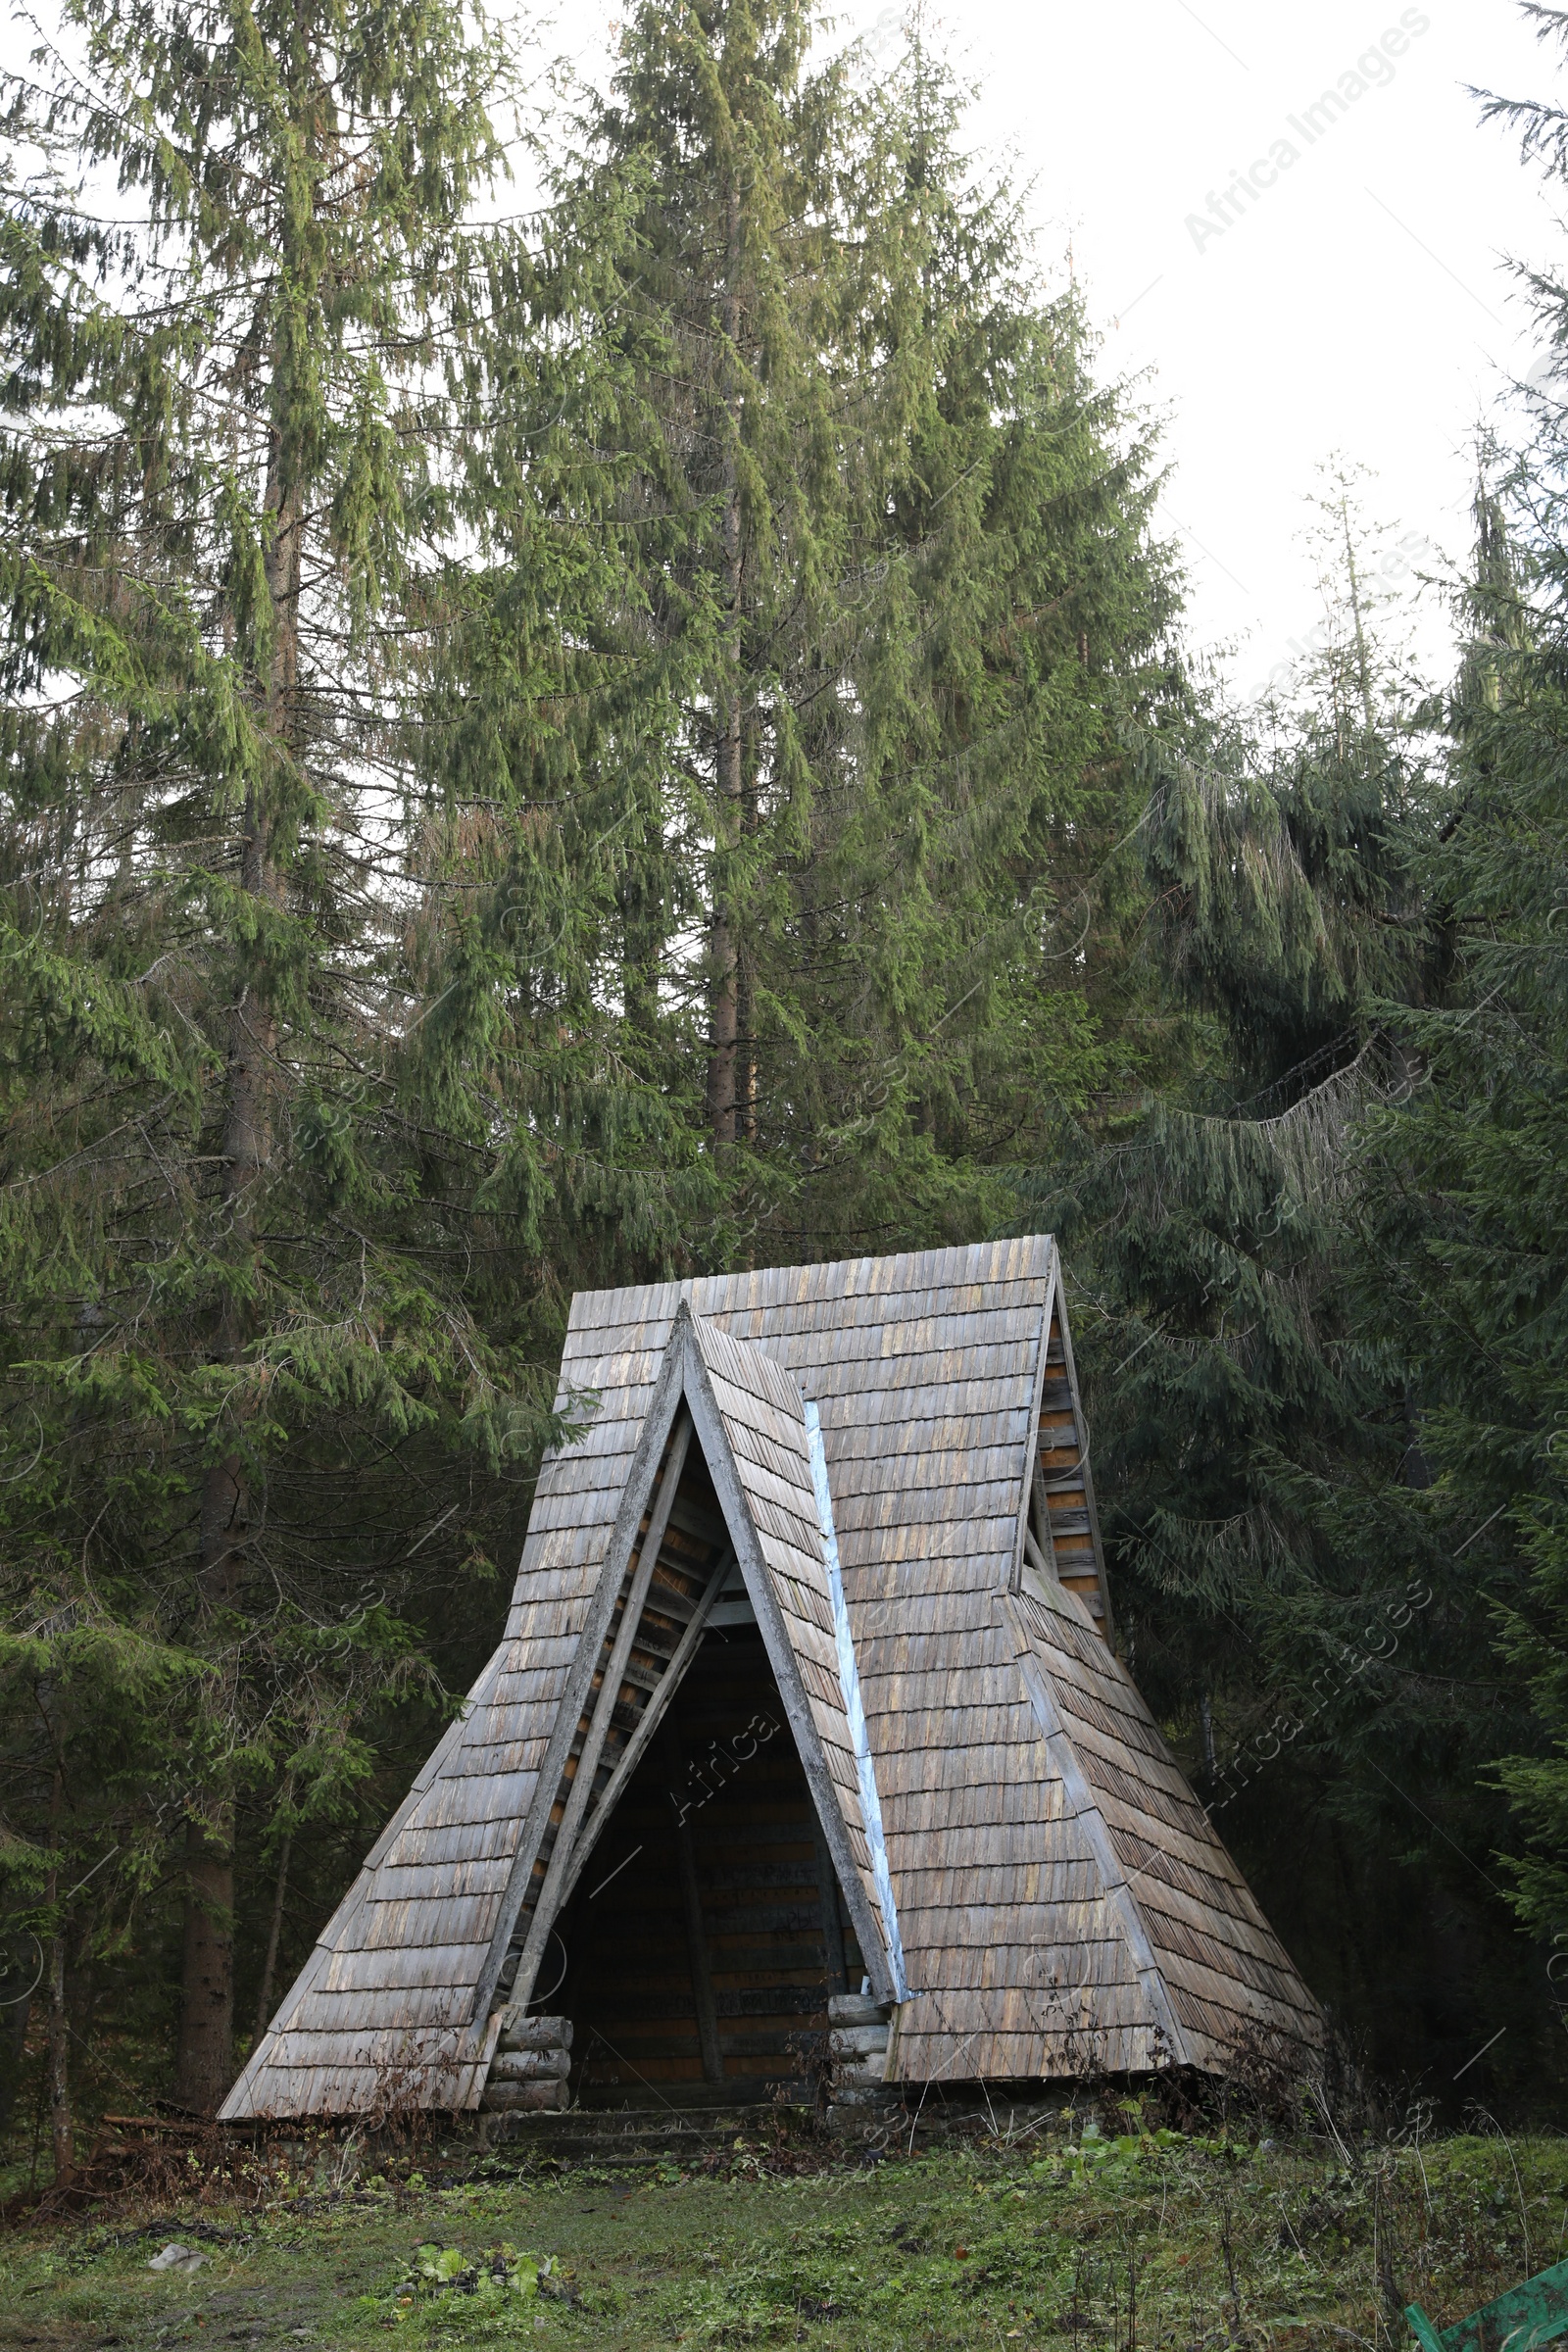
(1121,2246)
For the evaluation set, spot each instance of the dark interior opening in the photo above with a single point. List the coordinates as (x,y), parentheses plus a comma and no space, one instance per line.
(697,1952)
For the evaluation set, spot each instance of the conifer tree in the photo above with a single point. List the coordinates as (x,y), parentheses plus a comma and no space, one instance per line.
(745,495)
(1472,1176)
(298,615)
(1289,1598)
(899,543)
(953,908)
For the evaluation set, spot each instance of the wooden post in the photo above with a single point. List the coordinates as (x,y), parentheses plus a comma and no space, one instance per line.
(827,1888)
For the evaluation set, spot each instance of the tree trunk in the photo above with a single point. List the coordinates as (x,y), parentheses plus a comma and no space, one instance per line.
(62,2137)
(726,962)
(744,977)
(1416,1467)
(18,2015)
(1364,669)
(204,2057)
(204,2063)
(745,1058)
(641,942)
(264,2001)
(724,948)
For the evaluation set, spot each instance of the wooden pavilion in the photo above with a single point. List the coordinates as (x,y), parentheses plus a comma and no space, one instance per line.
(809,1684)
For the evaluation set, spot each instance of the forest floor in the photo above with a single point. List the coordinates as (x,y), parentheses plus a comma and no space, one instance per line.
(1091,2244)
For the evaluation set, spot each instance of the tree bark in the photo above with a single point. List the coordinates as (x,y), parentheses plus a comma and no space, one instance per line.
(62,2137)
(641,942)
(1363,668)
(724,938)
(18,2013)
(744,1056)
(204,2057)
(744,976)
(204,2062)
(263,2000)
(1417,1469)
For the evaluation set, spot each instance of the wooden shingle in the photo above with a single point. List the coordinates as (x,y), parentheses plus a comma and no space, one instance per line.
(1063,1901)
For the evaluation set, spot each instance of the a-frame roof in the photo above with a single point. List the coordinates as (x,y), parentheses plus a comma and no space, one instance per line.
(758,1437)
(1064,1902)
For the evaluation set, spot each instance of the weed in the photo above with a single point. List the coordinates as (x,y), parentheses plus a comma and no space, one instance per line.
(1150,2240)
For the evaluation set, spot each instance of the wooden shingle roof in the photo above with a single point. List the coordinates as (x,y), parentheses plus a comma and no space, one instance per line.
(1062,1901)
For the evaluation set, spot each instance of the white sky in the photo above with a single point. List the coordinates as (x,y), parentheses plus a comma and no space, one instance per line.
(1361,305)
(1358,306)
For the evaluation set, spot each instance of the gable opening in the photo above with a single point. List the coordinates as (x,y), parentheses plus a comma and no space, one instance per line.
(695,1926)
(1061,1538)
(708,1930)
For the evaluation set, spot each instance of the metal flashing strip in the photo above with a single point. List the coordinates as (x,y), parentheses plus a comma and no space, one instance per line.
(849,1676)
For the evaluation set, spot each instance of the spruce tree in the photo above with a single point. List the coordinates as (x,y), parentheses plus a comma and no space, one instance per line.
(1466,1237)
(1263,1446)
(306,582)
(716,109)
(955,904)
(899,544)
(1470,1284)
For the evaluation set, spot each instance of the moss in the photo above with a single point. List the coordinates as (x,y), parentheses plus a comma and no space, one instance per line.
(1150,2242)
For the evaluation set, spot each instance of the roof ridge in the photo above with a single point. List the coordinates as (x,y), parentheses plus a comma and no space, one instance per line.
(750,1364)
(1013,1259)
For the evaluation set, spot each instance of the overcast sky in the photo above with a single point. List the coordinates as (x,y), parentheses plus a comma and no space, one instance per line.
(1358,304)
(1352,299)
